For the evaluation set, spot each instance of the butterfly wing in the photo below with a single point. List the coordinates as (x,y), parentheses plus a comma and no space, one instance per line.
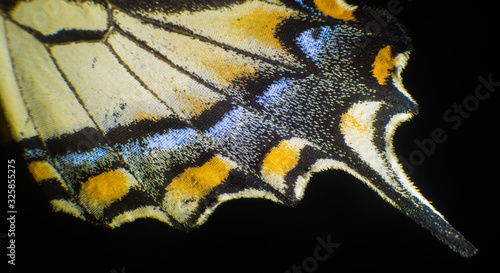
(131,109)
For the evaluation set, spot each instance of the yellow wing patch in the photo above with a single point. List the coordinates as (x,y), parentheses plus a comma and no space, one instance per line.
(102,190)
(336,9)
(185,190)
(50,16)
(218,66)
(253,22)
(185,96)
(51,104)
(280,160)
(226,68)
(126,100)
(383,65)
(11,101)
(196,182)
(42,170)
(258,23)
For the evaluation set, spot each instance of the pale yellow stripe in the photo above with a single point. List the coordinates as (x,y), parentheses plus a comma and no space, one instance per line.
(215,65)
(251,26)
(50,16)
(52,105)
(185,96)
(109,92)
(12,103)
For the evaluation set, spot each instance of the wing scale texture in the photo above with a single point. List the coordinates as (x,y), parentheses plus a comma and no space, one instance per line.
(165,109)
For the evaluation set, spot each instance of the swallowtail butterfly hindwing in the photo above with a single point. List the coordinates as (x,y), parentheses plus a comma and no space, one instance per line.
(165,109)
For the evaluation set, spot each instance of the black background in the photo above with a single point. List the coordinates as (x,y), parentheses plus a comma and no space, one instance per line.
(454,43)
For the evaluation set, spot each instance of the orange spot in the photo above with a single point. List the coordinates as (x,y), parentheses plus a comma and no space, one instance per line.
(259,22)
(104,189)
(383,65)
(191,104)
(196,182)
(142,115)
(42,170)
(281,159)
(228,67)
(336,9)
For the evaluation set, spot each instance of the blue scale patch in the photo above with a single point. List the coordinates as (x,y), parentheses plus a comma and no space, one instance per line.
(316,43)
(78,166)
(274,92)
(226,125)
(93,157)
